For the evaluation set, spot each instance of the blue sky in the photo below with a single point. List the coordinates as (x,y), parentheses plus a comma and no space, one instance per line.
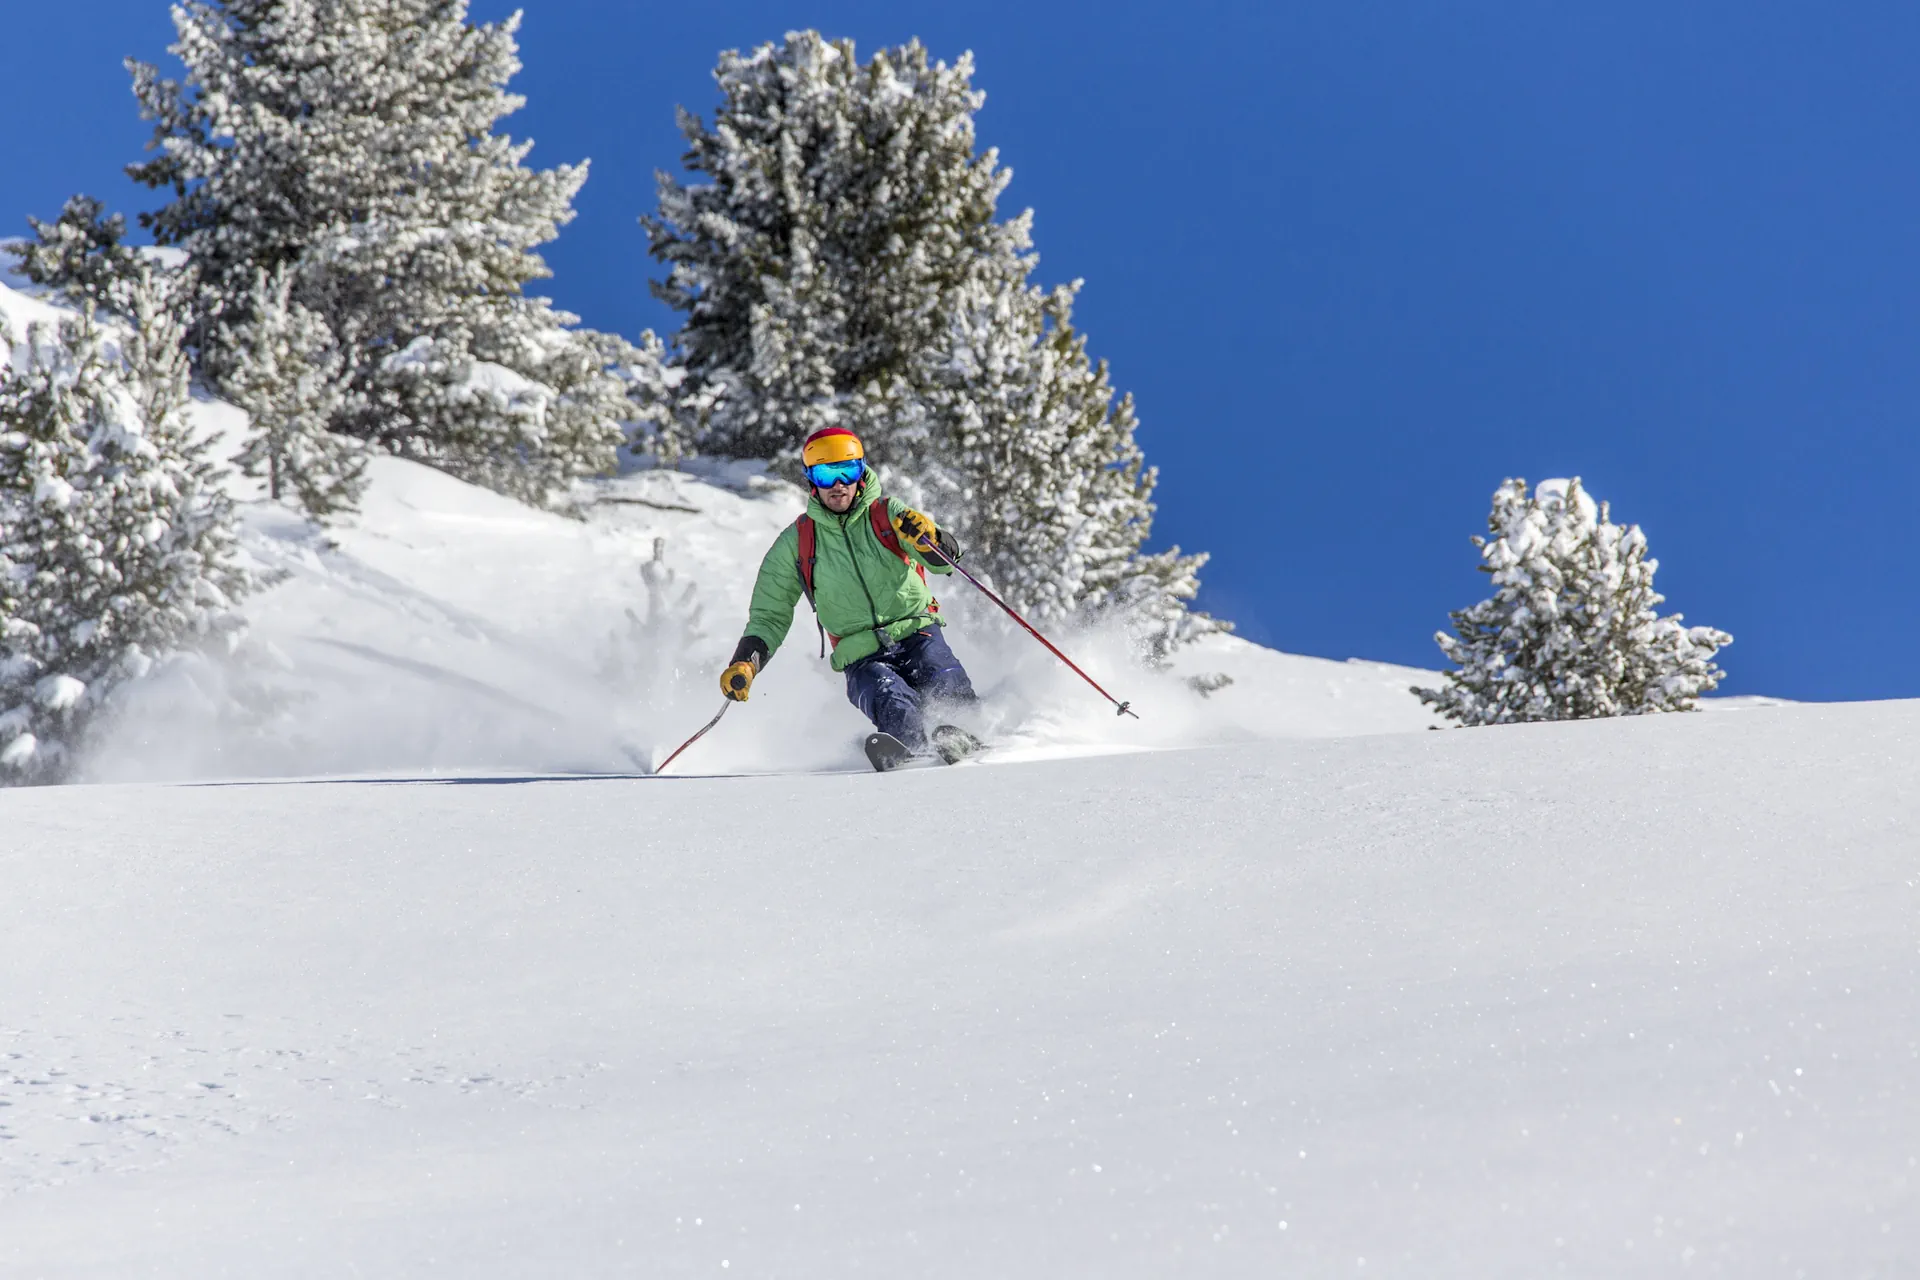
(1357,262)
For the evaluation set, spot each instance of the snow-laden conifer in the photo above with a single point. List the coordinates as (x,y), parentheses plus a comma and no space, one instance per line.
(81,254)
(1041,463)
(838,208)
(1572,630)
(663,420)
(116,542)
(287,378)
(840,261)
(351,146)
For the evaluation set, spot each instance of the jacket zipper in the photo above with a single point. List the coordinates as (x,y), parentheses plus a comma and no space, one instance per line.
(873,609)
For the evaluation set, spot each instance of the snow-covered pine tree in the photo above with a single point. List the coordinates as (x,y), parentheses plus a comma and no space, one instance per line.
(80,254)
(351,145)
(1572,630)
(839,207)
(841,261)
(116,541)
(1055,493)
(287,378)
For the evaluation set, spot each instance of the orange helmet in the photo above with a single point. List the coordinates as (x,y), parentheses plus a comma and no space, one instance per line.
(834,444)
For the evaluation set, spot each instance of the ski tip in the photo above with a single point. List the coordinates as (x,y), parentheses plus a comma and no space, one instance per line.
(954,744)
(886,752)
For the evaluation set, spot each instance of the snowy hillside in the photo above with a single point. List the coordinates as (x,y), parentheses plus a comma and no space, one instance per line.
(1615,998)
(447,628)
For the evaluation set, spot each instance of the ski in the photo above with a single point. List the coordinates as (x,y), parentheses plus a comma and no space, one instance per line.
(950,745)
(886,752)
(954,744)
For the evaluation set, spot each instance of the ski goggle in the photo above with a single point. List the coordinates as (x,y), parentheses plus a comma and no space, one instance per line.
(825,475)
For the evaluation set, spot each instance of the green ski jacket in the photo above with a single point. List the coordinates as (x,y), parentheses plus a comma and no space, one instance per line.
(862,590)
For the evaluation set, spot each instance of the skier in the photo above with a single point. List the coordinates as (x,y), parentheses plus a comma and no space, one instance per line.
(861,559)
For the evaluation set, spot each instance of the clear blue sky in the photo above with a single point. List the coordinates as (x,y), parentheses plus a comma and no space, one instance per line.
(1357,262)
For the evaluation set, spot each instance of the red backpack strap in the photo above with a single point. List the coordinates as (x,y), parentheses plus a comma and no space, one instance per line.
(882,520)
(804,527)
(805,560)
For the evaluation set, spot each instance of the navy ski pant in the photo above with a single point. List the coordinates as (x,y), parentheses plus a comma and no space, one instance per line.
(893,686)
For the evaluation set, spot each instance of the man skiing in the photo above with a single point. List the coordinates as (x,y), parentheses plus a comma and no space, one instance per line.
(862,560)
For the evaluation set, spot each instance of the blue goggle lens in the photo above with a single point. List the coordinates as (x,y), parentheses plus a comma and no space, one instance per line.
(825,475)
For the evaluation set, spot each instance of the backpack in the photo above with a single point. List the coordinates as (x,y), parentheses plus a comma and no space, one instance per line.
(882,522)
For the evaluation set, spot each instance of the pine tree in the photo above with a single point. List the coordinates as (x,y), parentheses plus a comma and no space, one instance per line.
(841,262)
(1043,463)
(116,541)
(81,255)
(350,146)
(841,207)
(288,380)
(1572,631)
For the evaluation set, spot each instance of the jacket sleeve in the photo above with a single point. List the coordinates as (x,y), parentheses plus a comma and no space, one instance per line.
(776,591)
(894,508)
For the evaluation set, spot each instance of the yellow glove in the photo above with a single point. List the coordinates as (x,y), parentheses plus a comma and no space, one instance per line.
(736,680)
(748,657)
(913,526)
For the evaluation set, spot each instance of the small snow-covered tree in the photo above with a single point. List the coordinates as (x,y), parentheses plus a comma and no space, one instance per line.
(80,254)
(662,419)
(1572,630)
(116,541)
(351,147)
(841,261)
(287,378)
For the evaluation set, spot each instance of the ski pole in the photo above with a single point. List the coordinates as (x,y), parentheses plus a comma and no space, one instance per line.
(696,737)
(1125,708)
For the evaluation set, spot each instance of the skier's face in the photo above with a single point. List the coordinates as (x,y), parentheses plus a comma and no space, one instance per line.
(839,497)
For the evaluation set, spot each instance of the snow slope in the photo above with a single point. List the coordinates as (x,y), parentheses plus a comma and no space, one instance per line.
(1616,998)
